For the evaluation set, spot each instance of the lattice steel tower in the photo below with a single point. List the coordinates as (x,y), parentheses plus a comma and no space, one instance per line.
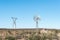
(14,21)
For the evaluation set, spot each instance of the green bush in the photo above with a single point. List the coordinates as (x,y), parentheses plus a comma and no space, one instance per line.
(10,38)
(0,38)
(34,37)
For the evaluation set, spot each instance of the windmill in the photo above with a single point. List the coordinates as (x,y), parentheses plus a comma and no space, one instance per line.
(36,19)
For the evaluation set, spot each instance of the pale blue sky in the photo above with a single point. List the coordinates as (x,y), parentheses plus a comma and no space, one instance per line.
(24,10)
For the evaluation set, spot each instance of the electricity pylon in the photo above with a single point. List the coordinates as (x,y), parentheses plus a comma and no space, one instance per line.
(14,25)
(14,22)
